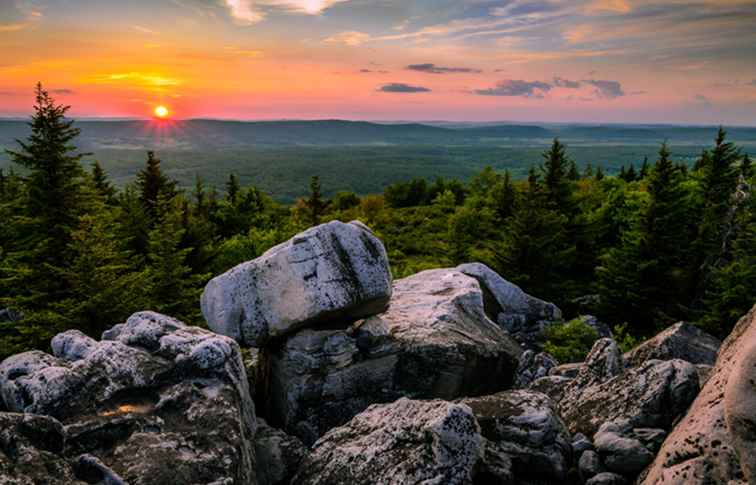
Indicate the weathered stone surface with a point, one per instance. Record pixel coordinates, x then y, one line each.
566 370
590 465
413 442
580 443
523 316
435 341
621 452
31 451
607 478
552 386
278 455
525 426
680 341
713 443
159 403
329 272
650 396
533 366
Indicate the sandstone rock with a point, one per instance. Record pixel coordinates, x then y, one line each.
590 465
607 478
435 341
523 316
680 341
532 366
552 386
278 455
429 442
713 443
159 403
525 426
650 396
330 272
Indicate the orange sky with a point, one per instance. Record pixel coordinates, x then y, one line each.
520 60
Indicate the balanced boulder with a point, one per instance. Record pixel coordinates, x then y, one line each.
155 402
331 272
680 341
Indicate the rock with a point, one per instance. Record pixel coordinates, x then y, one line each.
435 341
580 443
523 316
430 442
278 455
7 315
532 366
552 386
619 450
589 465
160 402
704 372
31 451
525 426
607 478
251 359
567 370
601 328
653 395
92 470
680 341
331 272
713 443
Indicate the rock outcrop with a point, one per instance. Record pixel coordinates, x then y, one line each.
434 341
523 316
533 366
331 272
680 341
154 402
714 442
278 455
407 441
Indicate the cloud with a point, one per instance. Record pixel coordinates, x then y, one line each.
142 79
248 12
350 38
402 88
606 89
434 69
753 83
143 30
516 87
702 100
62 91
371 71
566 83
244 12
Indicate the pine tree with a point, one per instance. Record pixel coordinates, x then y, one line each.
746 167
644 170
503 196
315 204
102 184
573 173
622 173
558 189
232 189
153 184
588 171
599 173
631 176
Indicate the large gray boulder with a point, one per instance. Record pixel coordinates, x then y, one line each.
652 395
715 442
533 366
523 316
525 427
412 442
278 455
680 341
434 341
331 272
155 402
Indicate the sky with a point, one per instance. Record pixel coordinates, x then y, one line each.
626 61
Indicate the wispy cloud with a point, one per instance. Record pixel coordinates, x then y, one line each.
516 87
606 89
143 30
350 38
402 88
141 79
248 12
434 69
566 83
63 91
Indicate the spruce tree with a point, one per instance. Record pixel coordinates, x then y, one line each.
102 184
746 167
153 185
503 196
573 173
315 204
631 175
599 173
588 171
558 189
644 170
232 189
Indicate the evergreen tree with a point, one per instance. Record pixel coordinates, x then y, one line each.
588 172
558 189
599 173
503 196
644 170
746 167
315 204
622 173
232 189
153 184
631 175
573 173
102 184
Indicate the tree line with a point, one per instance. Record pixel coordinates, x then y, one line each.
648 247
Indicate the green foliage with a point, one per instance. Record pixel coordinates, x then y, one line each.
625 340
570 341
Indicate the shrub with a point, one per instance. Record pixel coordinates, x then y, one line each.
570 341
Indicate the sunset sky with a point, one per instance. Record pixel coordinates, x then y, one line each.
673 61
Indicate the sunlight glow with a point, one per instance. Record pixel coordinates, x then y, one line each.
161 112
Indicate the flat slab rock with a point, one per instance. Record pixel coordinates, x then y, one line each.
434 341
154 402
715 442
412 442
329 272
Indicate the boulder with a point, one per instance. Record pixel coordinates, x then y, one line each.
533 366
521 315
680 341
429 442
607 478
653 395
525 426
589 465
8 315
331 272
434 341
278 455
552 386
156 402
620 451
566 370
580 443
714 442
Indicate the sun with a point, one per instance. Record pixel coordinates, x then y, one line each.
161 112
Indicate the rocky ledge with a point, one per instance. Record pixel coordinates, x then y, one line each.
437 378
